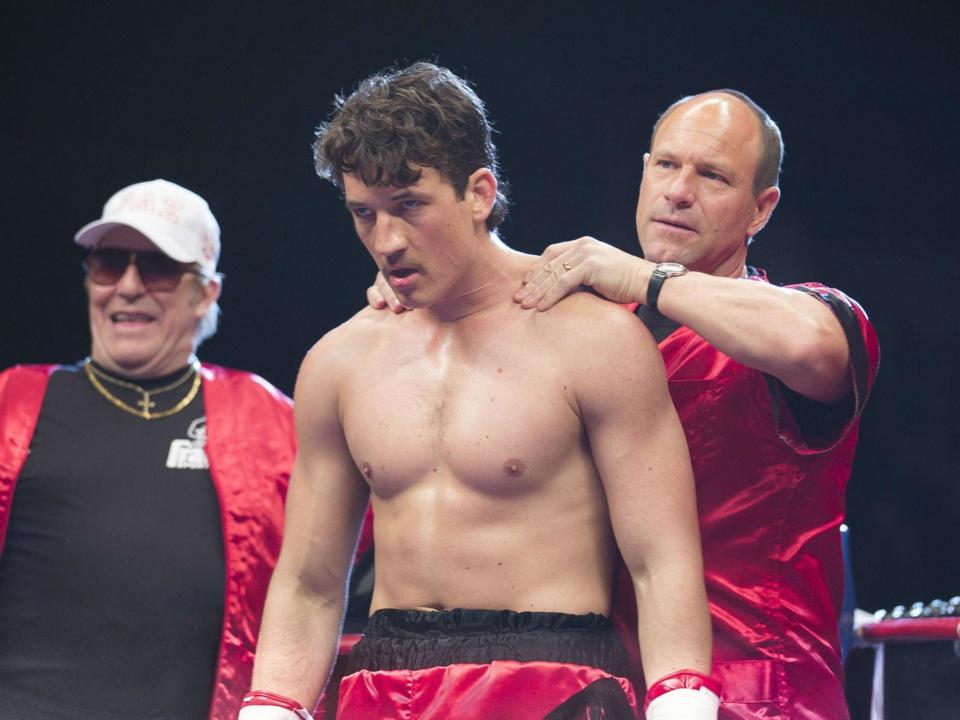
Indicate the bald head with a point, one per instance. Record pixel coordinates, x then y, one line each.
727 104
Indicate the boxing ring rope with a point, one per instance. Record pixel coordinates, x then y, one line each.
939 621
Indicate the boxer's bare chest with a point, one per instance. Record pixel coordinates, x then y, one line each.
487 406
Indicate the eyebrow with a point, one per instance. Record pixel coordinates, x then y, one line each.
406 193
714 165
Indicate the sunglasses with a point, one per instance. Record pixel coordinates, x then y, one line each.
105 266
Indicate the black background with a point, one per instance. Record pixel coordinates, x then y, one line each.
223 98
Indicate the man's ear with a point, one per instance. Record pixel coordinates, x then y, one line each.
481 191
209 293
765 203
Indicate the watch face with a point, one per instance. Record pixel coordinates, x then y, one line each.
671 268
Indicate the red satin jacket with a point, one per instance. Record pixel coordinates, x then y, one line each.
250 446
770 503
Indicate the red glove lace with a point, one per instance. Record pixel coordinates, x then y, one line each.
690 679
263 697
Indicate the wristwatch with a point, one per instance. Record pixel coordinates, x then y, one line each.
660 273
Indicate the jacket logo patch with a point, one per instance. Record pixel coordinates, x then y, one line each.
187 453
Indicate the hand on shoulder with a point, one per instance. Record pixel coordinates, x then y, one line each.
585 262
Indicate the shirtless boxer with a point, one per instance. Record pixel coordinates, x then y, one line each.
507 455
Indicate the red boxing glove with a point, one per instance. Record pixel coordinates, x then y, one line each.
263 705
683 695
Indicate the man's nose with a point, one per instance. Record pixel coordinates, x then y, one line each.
130 284
680 190
388 238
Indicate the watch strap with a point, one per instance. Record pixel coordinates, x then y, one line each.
660 273
657 277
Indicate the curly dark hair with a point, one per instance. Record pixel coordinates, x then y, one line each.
422 115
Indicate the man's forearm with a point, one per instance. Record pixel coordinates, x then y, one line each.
673 622
298 640
782 332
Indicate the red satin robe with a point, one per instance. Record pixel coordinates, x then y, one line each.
770 503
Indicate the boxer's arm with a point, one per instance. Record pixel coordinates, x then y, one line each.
782 332
324 512
641 454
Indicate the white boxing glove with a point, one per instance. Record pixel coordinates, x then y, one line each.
683 695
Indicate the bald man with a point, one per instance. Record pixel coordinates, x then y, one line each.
769 383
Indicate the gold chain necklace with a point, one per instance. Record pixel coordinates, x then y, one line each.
145 403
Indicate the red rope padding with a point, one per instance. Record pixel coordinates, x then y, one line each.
912 630
263 697
690 679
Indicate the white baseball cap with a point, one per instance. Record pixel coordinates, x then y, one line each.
176 220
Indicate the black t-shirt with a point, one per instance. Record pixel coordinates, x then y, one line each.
112 576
